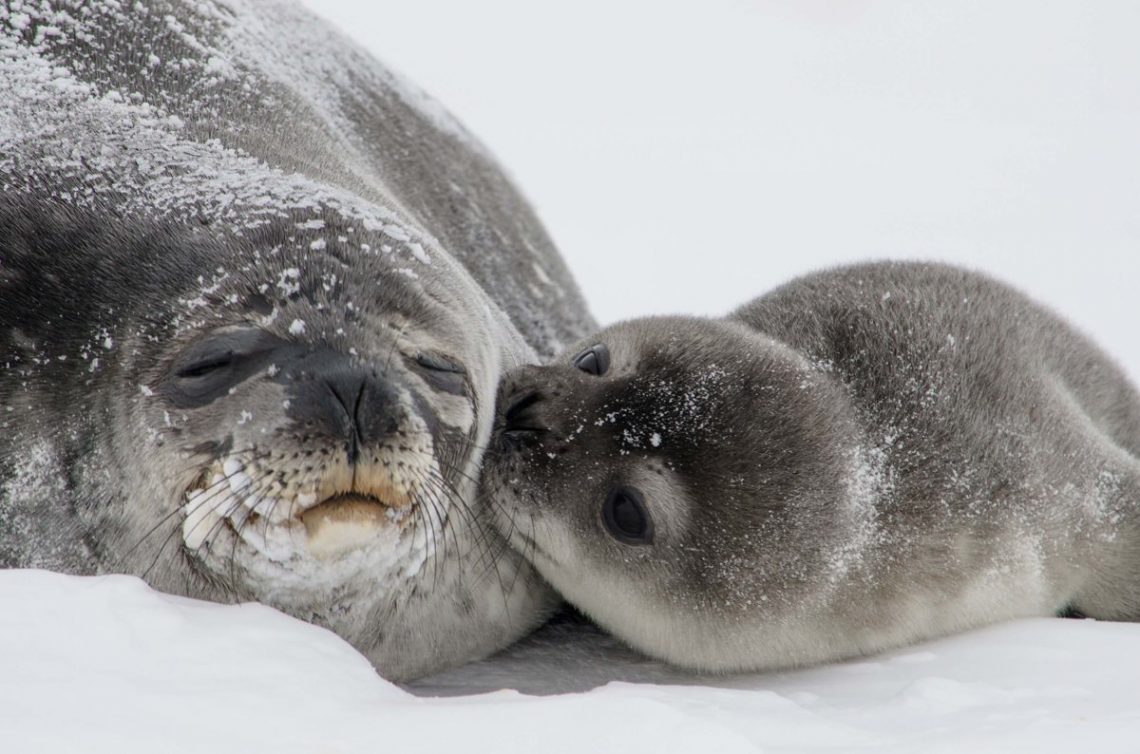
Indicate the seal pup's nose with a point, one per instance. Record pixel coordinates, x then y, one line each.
521 421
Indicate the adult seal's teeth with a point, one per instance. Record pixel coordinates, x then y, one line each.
239 481
238 516
201 519
274 542
274 510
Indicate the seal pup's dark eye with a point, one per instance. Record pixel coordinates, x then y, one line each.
594 360
626 517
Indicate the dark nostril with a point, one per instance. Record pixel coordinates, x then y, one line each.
342 393
520 417
348 396
521 404
343 401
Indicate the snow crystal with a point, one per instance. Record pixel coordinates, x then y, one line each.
541 274
396 232
419 253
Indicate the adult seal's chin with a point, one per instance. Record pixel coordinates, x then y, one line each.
252 319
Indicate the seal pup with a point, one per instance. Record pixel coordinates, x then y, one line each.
861 459
256 294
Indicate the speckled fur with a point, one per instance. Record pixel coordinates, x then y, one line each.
863 458
171 170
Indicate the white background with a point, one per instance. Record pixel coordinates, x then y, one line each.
688 156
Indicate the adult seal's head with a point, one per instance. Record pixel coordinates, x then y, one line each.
860 459
255 297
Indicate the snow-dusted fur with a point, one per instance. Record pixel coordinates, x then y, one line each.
209 213
863 458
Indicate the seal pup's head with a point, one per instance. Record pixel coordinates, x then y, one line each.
688 483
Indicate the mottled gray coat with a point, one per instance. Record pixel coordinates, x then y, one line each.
211 212
862 458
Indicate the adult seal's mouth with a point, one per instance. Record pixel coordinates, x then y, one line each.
346 521
281 524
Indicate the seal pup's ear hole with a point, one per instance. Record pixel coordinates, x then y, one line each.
626 517
594 360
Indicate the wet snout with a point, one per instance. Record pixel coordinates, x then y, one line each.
366 452
521 420
348 402
531 402
351 404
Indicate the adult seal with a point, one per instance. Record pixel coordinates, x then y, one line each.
863 458
256 294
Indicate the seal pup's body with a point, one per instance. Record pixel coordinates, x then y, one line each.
256 294
861 459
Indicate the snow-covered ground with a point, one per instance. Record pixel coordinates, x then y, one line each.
91 665
687 156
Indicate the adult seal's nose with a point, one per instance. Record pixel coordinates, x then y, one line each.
345 400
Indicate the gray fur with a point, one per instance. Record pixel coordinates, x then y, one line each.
863 458
177 174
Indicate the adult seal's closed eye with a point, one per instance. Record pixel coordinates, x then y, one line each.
256 294
863 458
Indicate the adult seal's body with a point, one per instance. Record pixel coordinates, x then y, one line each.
255 297
863 458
